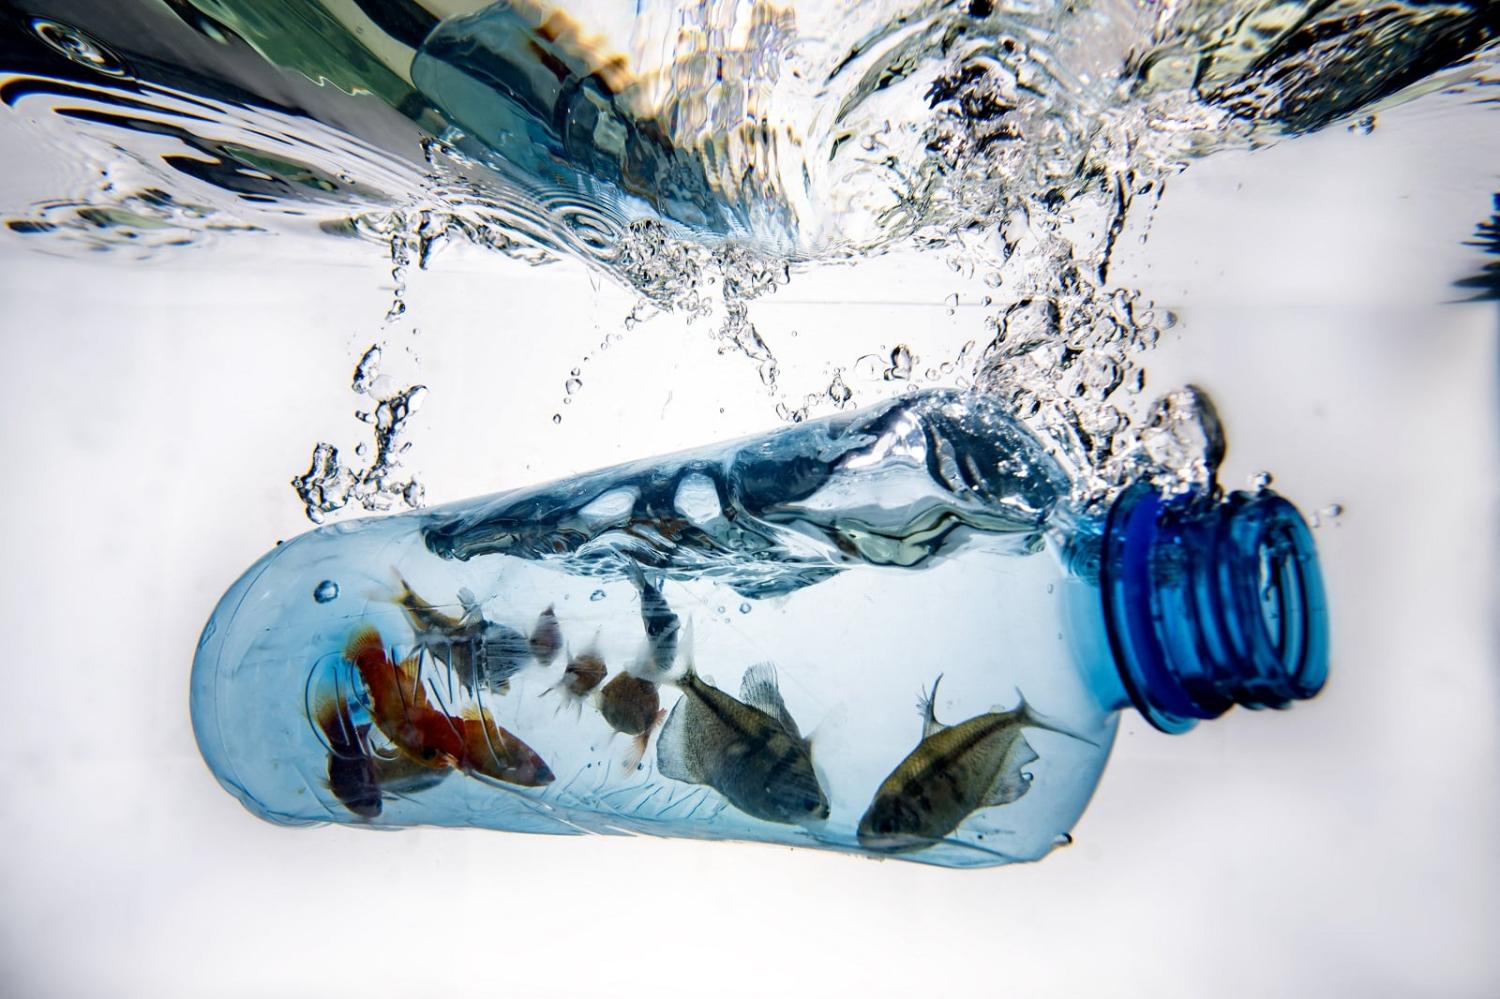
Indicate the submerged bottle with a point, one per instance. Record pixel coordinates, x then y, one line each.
727 644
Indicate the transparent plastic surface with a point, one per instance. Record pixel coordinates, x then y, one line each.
742 642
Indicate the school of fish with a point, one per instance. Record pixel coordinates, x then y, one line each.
748 748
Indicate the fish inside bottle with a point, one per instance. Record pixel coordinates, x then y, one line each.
881 648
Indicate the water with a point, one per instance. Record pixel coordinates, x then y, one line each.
704 154
873 550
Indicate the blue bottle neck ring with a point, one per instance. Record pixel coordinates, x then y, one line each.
1212 604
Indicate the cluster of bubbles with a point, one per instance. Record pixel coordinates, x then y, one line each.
374 483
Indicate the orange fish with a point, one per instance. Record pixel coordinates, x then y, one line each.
472 743
399 705
496 753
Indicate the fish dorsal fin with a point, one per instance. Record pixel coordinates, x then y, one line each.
473 613
1011 782
760 690
927 705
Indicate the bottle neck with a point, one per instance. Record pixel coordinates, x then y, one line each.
1212 604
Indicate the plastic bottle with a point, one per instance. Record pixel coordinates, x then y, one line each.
591 655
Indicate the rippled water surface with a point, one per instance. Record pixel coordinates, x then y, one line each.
703 156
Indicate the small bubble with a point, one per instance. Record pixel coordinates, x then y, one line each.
1260 481
1065 839
326 592
556 417
578 371
745 608
597 596
1050 587
572 385
1329 514
719 609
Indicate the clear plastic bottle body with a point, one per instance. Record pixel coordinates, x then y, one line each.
864 556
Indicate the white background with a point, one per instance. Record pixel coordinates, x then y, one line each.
154 412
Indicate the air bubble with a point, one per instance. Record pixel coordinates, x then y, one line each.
326 592
597 596
902 360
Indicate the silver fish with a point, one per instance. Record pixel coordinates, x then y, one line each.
661 624
954 771
749 750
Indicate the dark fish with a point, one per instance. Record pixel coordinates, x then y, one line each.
749 750
399 776
495 654
632 706
546 637
352 775
662 626
954 771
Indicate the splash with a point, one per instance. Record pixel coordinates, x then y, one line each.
704 155
330 486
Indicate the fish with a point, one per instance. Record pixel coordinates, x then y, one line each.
954 771
494 655
398 776
494 752
472 742
632 706
352 774
661 624
425 618
399 704
477 651
748 749
546 637
582 675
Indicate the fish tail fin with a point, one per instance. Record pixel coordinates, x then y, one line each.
637 751
639 743
1032 718
473 612
686 669
364 644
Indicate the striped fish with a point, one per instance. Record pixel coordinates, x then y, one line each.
954 771
749 750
